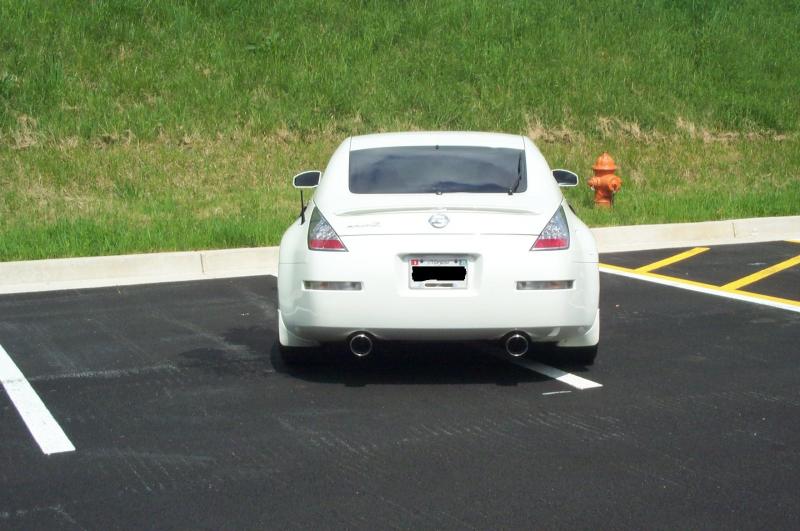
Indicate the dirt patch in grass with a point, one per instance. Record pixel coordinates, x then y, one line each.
76 197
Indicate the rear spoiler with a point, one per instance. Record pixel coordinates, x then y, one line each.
428 208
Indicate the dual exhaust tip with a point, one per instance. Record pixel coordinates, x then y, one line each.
516 344
360 344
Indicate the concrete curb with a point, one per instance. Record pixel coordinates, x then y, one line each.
641 237
102 271
123 270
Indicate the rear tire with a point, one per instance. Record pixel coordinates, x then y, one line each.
578 355
297 356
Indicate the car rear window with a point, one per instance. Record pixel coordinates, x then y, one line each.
437 169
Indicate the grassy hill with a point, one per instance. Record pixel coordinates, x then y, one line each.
139 125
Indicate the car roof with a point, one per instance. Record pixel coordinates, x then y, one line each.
437 138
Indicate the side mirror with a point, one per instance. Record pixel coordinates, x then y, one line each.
301 181
307 179
565 178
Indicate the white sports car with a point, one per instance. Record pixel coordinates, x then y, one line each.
439 236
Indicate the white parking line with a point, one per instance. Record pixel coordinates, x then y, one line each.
557 374
44 428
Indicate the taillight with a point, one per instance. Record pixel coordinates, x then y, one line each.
321 236
555 234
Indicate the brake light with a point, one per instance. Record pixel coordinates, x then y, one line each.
555 234
321 236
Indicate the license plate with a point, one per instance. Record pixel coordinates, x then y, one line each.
437 273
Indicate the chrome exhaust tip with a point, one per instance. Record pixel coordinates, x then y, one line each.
516 344
360 344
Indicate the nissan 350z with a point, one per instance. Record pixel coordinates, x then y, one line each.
449 236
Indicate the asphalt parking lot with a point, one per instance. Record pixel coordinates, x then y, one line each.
182 413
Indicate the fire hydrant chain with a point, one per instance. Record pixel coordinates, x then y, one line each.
604 183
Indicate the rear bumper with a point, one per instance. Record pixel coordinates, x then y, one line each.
488 308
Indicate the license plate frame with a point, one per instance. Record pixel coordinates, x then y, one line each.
424 272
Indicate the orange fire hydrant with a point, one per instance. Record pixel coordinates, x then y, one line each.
604 183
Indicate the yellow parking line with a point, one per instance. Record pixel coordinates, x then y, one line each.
662 277
671 260
764 273
701 286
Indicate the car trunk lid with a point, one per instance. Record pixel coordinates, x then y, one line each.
466 219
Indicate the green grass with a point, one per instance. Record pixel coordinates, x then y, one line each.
141 126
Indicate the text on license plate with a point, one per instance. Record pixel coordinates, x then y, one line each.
438 273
